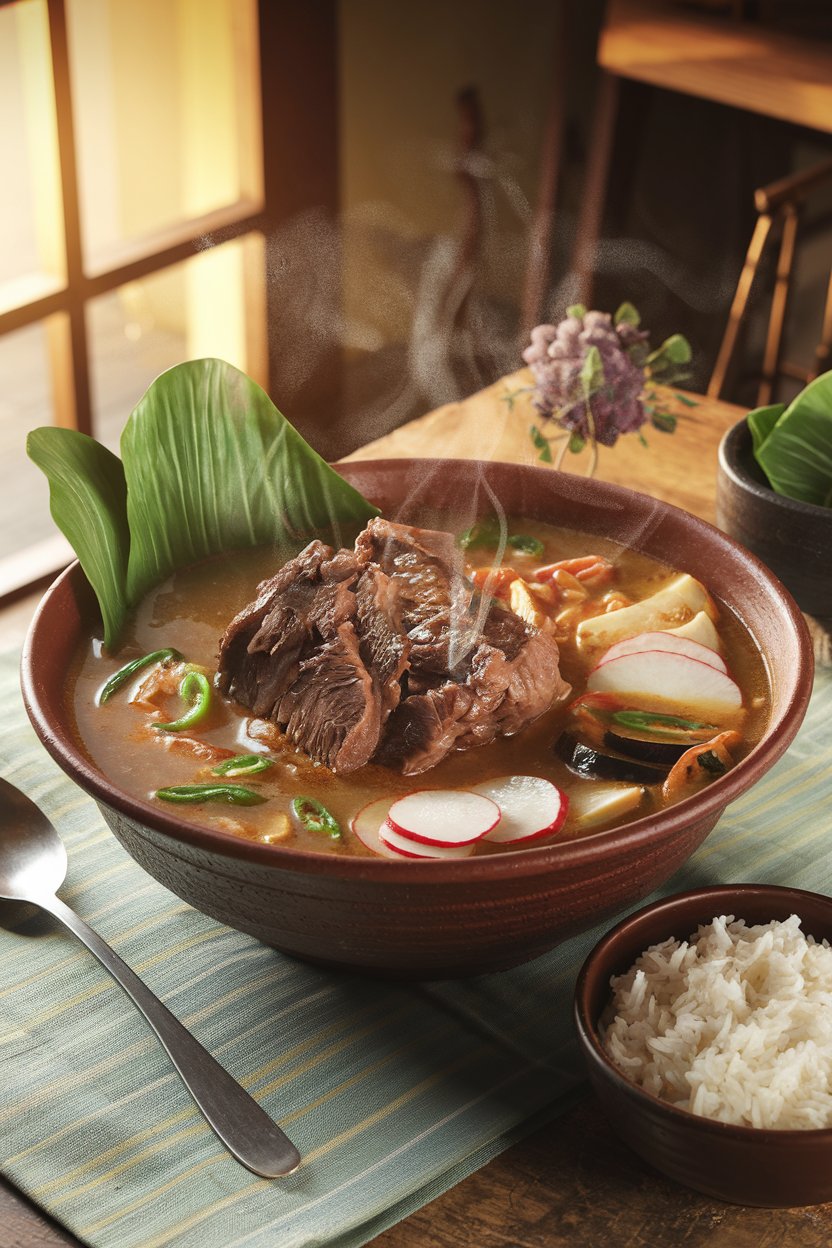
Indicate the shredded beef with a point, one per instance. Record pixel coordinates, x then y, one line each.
386 653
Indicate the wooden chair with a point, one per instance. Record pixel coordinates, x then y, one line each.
778 207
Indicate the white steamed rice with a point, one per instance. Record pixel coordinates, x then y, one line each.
734 1024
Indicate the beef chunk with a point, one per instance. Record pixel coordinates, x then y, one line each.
386 653
434 595
293 656
332 711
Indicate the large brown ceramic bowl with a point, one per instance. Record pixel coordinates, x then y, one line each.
792 538
433 919
743 1165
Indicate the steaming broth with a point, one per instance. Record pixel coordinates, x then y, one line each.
190 611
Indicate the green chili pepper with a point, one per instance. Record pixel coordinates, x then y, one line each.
315 817
121 677
195 687
242 765
483 533
526 545
235 794
647 721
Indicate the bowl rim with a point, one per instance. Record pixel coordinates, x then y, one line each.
588 1031
576 852
732 444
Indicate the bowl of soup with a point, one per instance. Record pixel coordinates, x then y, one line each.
616 673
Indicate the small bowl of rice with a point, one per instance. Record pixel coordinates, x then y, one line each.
706 1023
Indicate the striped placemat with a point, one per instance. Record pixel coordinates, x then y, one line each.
391 1093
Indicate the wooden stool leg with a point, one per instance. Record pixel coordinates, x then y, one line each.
739 304
595 186
823 351
779 301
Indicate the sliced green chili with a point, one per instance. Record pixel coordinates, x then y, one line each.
526 545
242 765
483 533
235 794
195 687
315 817
121 677
647 721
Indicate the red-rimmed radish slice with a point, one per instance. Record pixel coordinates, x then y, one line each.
366 824
404 847
669 642
443 817
532 807
671 677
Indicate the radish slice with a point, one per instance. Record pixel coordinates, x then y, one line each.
404 847
366 824
671 677
443 817
667 642
532 807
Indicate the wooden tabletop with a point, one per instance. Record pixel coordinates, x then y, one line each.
742 64
572 1182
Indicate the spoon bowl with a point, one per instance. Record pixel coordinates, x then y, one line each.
32 855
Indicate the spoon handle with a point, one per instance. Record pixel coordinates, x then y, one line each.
244 1128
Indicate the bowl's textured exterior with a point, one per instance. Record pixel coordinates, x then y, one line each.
435 919
743 1165
792 538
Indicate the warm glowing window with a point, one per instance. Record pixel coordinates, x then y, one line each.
131 232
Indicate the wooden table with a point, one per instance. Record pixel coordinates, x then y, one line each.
571 1183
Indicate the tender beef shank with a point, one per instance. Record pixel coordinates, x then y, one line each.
386 653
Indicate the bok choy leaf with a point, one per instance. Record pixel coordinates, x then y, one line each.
208 464
793 446
212 465
88 501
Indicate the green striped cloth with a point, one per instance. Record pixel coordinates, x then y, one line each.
391 1093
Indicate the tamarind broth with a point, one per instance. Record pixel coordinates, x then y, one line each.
190 611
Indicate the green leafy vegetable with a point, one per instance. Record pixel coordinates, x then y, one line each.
208 464
234 794
761 422
794 447
195 687
242 765
212 465
123 674
87 498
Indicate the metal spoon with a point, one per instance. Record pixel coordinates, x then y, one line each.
32 868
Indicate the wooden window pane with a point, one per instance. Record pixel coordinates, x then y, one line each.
32 259
210 305
26 401
167 120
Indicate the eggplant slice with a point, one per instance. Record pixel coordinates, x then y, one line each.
594 764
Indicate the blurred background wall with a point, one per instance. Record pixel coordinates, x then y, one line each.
341 199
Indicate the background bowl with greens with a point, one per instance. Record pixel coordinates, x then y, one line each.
774 491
